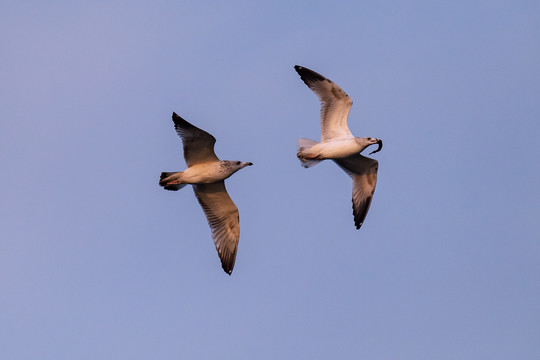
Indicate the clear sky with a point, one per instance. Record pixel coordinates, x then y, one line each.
98 262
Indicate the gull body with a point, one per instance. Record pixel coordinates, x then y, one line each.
207 174
335 148
338 143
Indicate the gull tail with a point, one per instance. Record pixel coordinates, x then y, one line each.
171 180
303 152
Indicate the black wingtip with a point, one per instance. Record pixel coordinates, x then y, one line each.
299 69
308 75
227 261
228 270
179 121
358 222
360 213
176 117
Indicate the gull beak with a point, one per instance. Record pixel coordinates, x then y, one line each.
247 164
379 142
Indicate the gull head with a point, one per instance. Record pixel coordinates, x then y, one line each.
236 165
367 141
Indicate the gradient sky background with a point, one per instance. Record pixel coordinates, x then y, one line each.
98 262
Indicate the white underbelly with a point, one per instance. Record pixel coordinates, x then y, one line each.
337 149
203 174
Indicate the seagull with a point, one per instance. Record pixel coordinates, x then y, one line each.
207 174
338 144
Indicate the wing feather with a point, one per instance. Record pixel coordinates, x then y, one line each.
335 104
223 218
198 144
363 171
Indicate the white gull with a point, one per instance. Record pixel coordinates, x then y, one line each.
338 144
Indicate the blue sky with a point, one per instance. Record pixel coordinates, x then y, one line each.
98 262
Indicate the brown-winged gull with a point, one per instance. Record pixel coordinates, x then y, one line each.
338 144
207 174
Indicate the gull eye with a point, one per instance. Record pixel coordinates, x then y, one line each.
238 163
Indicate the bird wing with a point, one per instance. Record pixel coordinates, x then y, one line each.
363 171
335 104
198 144
222 216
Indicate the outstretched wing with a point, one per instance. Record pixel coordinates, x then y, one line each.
198 144
222 216
363 171
335 104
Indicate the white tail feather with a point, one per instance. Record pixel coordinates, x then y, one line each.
303 150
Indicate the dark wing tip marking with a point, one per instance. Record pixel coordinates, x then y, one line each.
309 76
361 212
179 122
177 117
227 261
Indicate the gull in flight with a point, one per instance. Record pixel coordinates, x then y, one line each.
338 144
207 174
